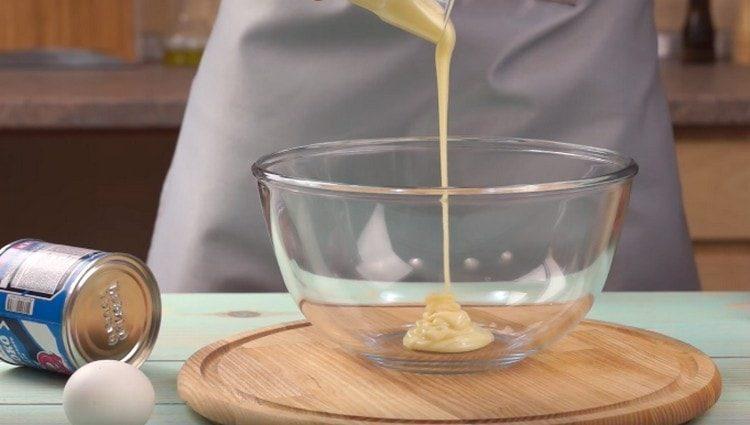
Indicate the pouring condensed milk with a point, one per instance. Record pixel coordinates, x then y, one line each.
444 327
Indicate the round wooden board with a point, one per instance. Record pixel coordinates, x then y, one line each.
600 373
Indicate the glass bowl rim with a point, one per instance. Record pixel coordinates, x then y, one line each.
626 168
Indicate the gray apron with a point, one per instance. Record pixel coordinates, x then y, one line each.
284 73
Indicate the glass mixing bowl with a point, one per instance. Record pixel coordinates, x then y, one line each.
356 229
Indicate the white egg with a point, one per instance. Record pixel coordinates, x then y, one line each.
108 392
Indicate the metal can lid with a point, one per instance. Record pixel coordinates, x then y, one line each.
113 311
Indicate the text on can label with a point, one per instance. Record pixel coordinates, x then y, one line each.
114 316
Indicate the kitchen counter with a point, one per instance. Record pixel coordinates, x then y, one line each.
152 96
714 323
137 97
707 95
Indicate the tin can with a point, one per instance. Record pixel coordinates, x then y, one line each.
62 307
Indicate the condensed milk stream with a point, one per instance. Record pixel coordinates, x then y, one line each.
444 326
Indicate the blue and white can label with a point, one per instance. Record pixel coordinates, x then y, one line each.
33 278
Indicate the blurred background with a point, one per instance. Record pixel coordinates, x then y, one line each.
92 94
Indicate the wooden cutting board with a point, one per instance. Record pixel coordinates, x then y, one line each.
600 373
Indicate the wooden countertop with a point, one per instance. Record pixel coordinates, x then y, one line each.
715 323
152 96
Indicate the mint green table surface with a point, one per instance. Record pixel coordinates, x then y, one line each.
716 323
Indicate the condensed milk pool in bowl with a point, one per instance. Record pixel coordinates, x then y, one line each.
357 229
